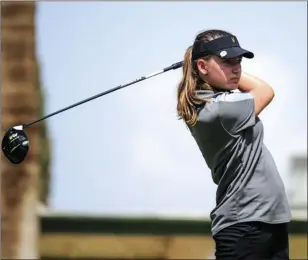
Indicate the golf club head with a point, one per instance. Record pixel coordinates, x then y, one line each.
15 144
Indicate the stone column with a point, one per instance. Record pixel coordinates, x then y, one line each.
19 104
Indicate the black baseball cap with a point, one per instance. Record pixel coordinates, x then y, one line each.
225 47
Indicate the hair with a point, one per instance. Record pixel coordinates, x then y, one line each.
187 100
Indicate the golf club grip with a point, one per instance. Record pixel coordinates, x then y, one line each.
173 66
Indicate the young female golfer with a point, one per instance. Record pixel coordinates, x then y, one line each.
220 105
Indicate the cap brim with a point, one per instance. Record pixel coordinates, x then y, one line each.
235 52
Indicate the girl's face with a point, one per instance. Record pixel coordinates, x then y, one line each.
221 73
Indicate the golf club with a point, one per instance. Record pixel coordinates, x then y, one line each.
15 143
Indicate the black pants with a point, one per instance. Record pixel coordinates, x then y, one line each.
253 241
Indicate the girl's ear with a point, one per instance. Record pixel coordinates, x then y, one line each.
202 66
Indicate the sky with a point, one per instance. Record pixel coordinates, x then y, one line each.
126 152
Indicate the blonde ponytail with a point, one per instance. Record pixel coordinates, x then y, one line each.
186 96
187 99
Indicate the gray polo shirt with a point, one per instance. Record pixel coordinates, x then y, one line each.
230 138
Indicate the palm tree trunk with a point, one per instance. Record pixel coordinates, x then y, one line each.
20 104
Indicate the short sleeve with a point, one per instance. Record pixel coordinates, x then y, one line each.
237 111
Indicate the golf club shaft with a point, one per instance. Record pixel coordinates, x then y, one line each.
172 67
